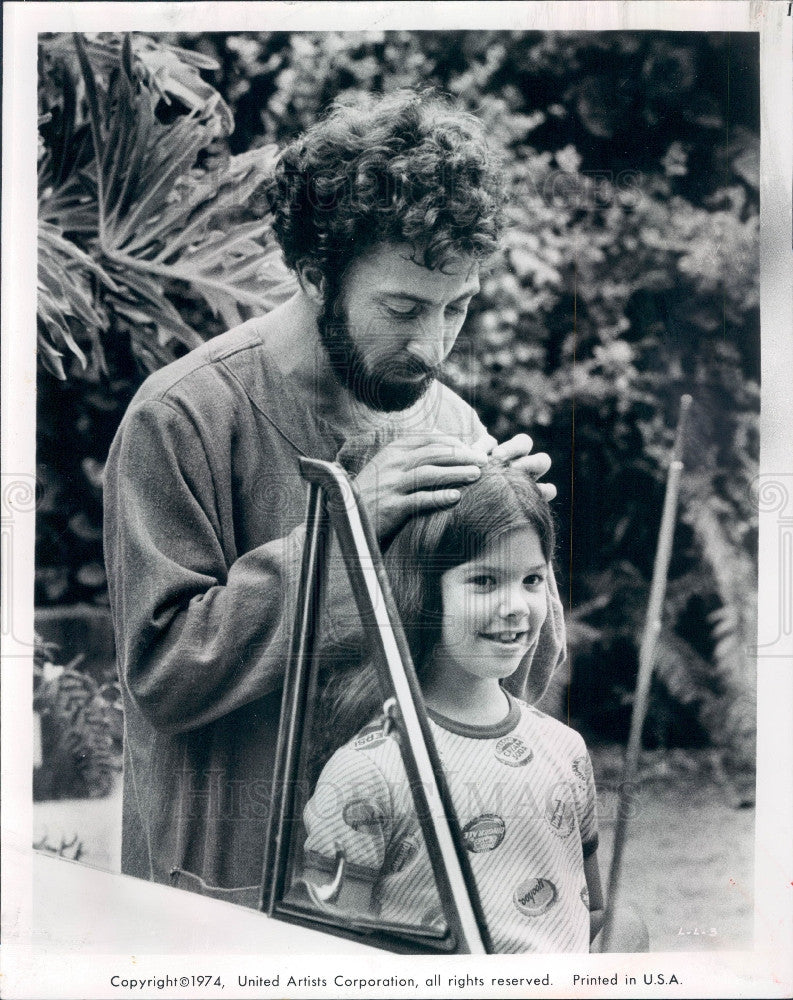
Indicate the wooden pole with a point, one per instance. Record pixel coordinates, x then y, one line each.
652 627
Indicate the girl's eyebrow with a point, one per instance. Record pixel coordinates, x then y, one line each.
480 568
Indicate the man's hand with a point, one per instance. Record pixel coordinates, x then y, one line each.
416 474
517 451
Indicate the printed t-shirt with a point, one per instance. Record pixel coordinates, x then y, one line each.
525 798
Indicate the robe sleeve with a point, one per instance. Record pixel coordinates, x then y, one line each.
198 634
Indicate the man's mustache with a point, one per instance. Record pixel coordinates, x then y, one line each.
398 368
409 368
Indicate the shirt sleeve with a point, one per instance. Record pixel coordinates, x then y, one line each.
199 633
350 811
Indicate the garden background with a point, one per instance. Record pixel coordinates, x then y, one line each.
630 277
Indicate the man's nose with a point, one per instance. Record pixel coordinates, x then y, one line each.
428 342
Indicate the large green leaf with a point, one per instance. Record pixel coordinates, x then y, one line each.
132 216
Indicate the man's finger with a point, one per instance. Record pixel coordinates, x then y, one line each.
517 446
535 465
428 500
548 490
433 476
453 454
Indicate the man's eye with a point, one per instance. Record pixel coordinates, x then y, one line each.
411 312
457 310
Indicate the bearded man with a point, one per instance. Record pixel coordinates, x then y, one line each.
386 213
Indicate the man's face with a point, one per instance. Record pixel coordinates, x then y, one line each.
393 324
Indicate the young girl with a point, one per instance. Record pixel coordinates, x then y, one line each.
470 584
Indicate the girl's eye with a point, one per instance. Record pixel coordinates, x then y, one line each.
483 581
534 580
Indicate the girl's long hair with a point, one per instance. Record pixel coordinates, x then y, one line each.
502 499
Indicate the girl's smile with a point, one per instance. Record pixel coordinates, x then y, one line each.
506 638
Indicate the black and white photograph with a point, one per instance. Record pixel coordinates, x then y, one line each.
396 558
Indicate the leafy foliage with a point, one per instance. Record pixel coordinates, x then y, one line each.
147 245
80 730
126 187
629 277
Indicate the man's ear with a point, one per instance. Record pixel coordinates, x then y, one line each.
312 281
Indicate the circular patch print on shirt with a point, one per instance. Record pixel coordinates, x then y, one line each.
484 833
369 738
513 751
360 814
533 896
559 811
404 852
581 769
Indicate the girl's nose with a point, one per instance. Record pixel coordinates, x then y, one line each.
513 604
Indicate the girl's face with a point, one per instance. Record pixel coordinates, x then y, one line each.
493 608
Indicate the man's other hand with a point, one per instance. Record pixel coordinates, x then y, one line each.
517 451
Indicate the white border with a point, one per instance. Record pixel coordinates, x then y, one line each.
67 965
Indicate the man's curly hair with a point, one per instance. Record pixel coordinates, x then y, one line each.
405 168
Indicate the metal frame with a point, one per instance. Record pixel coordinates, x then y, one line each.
333 502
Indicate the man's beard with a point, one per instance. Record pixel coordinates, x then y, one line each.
382 387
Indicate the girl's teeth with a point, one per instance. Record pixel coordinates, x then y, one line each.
505 637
